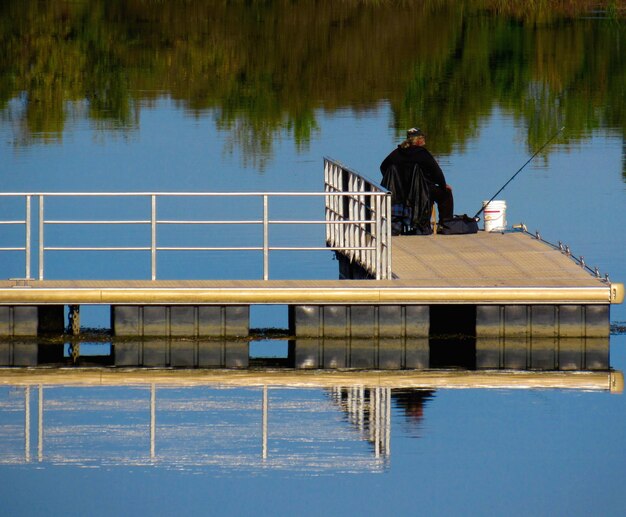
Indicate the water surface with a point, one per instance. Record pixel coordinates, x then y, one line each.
204 96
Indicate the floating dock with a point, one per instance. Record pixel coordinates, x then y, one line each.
468 269
490 284
513 281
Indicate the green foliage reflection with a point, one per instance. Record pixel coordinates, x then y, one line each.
267 67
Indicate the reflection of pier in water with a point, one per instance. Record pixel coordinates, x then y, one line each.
525 353
369 411
159 425
249 416
228 420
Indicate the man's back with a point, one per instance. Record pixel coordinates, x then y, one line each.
405 158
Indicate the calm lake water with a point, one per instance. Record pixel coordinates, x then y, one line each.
202 96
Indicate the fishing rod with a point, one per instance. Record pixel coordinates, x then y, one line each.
518 171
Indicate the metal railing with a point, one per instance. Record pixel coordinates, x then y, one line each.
359 215
565 249
35 226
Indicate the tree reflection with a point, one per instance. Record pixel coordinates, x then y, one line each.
265 68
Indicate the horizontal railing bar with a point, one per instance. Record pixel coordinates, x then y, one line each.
13 249
337 163
160 248
192 194
12 222
343 221
208 248
324 248
85 248
260 248
217 221
202 248
285 221
48 221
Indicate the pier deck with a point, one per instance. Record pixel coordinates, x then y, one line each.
483 268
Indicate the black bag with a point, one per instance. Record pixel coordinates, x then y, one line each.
458 225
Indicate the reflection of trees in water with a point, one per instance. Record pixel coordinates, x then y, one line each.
266 67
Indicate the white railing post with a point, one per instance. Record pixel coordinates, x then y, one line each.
266 238
27 243
327 201
388 234
380 273
153 231
41 236
338 204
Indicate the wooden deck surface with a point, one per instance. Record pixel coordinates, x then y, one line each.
480 268
485 259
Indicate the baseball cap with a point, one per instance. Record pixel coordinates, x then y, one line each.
414 131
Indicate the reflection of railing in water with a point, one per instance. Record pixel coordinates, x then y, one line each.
163 417
369 411
61 439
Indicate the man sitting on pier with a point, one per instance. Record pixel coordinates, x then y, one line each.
398 171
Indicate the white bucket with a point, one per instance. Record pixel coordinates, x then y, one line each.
494 215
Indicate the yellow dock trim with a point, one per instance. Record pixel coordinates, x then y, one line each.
429 379
299 292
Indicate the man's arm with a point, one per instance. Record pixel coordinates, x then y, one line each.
430 166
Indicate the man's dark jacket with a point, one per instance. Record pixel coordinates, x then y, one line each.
405 158
410 174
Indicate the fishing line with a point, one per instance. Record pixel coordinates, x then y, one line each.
518 171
